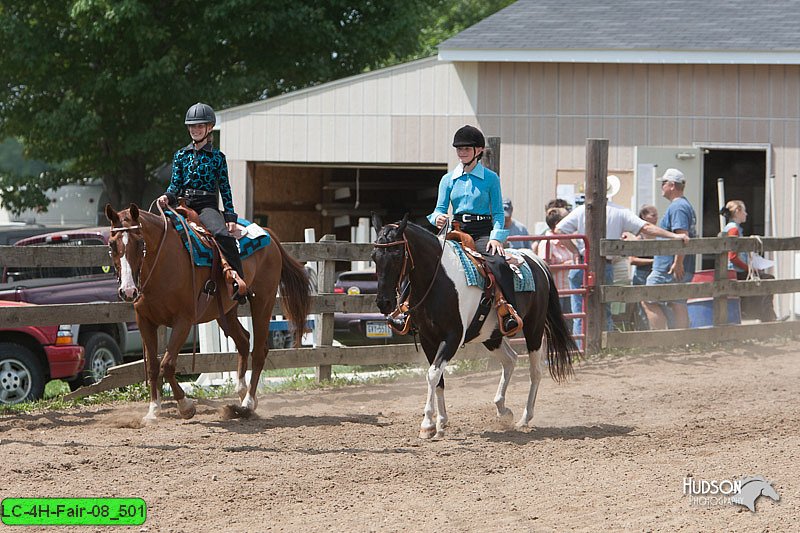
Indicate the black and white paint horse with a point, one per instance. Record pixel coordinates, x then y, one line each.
442 305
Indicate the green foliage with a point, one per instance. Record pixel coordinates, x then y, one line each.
101 87
449 17
104 85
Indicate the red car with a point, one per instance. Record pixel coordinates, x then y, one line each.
30 356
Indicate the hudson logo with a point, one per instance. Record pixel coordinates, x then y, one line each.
744 491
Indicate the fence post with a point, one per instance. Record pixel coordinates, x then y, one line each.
596 172
491 157
325 278
720 302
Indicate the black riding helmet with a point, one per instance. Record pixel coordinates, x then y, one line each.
469 136
200 113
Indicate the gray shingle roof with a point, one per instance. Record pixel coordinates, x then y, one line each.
707 25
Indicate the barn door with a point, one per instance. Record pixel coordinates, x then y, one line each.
652 161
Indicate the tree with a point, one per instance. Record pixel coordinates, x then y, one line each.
98 88
101 86
449 17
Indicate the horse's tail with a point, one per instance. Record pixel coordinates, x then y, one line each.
561 347
295 290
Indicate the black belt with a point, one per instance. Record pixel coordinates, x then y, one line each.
198 192
466 218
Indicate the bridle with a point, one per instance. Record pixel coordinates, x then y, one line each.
125 229
405 272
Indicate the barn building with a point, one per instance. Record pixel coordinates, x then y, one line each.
711 87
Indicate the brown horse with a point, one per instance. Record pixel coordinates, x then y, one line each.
155 272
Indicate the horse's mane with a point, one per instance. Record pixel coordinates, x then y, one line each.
418 230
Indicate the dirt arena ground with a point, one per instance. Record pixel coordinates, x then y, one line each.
609 451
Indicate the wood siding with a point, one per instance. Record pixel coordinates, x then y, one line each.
403 114
545 112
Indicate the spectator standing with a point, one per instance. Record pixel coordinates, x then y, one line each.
761 306
642 266
514 227
679 218
618 221
555 253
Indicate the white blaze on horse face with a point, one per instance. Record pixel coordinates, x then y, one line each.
126 283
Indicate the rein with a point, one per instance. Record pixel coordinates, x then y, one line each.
158 249
408 256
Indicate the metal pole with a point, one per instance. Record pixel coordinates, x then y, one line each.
721 201
793 231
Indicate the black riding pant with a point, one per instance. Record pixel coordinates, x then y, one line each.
214 222
480 232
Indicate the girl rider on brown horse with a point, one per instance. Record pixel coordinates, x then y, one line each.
199 174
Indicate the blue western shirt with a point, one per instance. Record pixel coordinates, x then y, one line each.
204 170
476 192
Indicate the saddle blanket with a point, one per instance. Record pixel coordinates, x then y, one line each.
252 237
523 277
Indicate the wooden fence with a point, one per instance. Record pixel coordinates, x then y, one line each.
720 289
326 252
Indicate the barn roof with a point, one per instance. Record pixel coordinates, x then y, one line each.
652 31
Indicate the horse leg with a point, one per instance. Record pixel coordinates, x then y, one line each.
536 359
180 331
258 355
508 358
241 339
428 429
149 332
241 367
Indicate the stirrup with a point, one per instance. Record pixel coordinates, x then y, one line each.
510 323
241 298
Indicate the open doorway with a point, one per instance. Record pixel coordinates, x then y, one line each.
744 173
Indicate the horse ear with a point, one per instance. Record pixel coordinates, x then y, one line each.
134 211
376 222
403 223
112 215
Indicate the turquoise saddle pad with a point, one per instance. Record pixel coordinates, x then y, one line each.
253 238
523 277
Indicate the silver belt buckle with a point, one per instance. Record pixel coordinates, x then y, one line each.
466 218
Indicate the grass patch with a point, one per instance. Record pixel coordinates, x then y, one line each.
297 379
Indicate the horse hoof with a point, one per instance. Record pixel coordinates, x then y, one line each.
439 434
149 420
186 408
506 418
522 424
427 433
249 403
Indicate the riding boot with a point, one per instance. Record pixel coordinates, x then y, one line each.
231 252
506 306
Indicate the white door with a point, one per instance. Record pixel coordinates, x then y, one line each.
651 162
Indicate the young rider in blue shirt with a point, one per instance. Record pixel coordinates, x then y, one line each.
474 192
200 173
